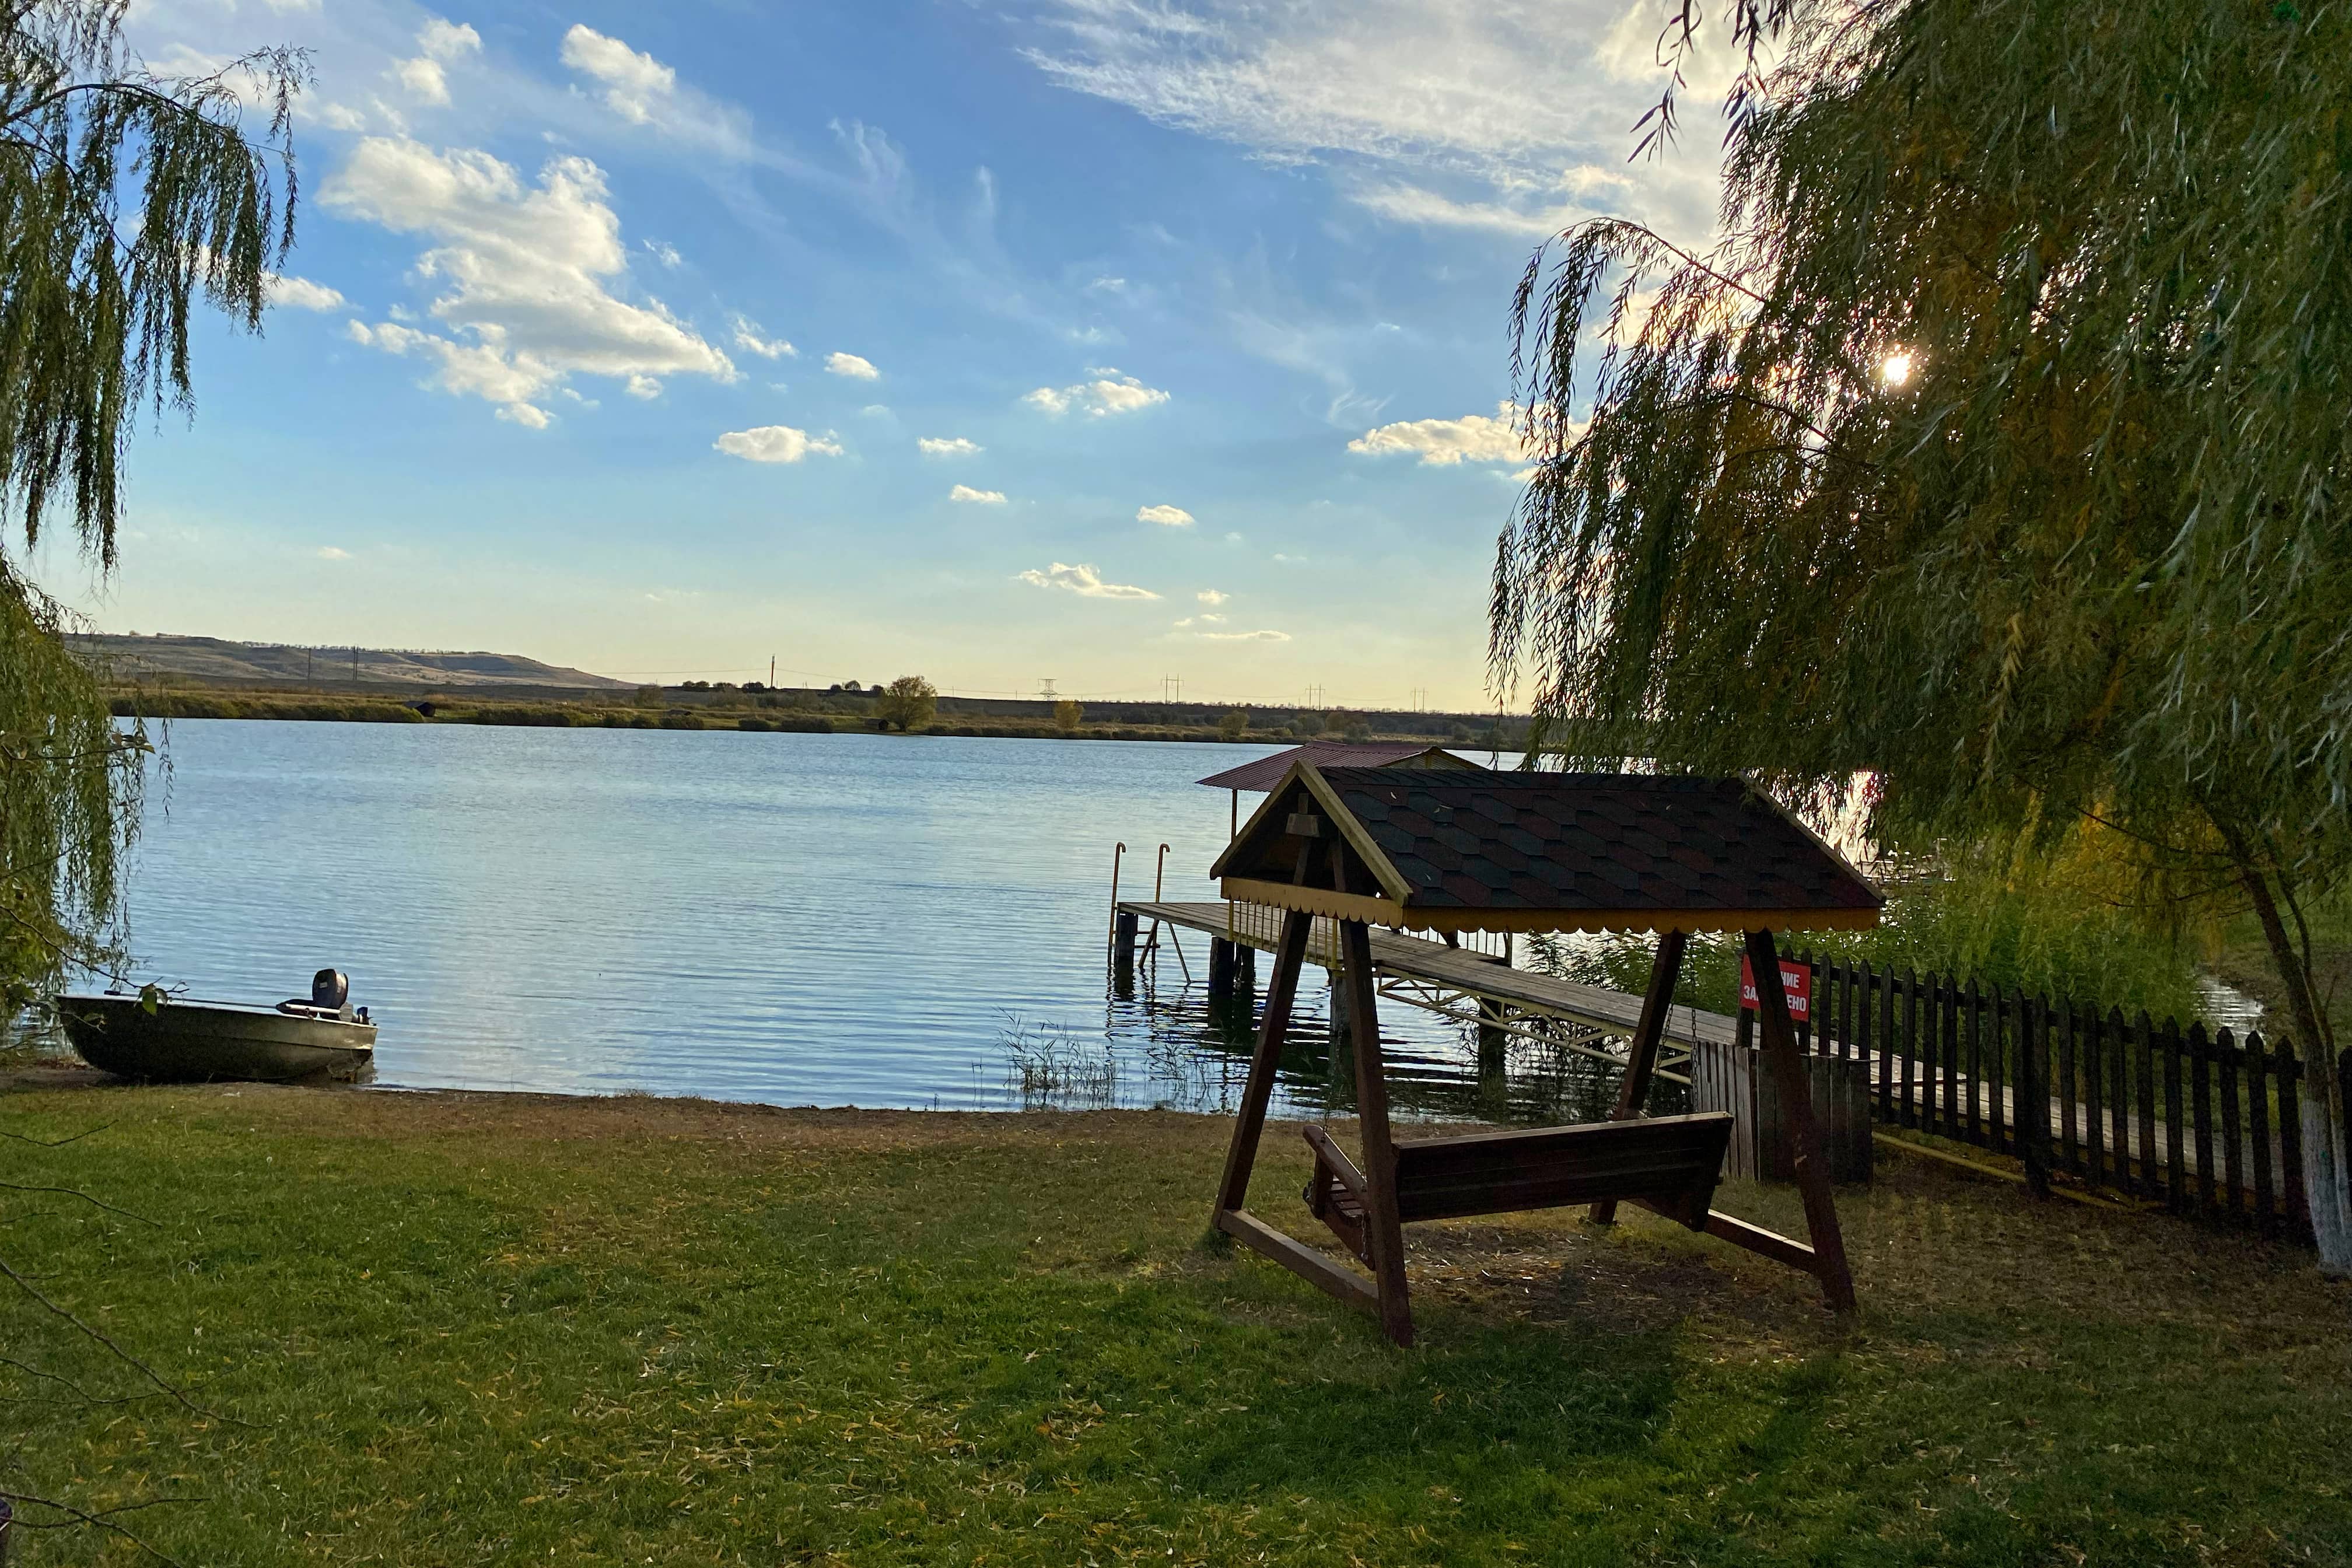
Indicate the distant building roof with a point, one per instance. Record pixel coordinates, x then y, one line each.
1267 771
1533 851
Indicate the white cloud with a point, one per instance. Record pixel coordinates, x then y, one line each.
637 87
1108 393
333 553
424 78
852 366
1167 516
644 387
444 40
1083 580
948 446
775 444
301 294
752 340
1445 442
1262 635
1211 597
529 275
661 250
981 498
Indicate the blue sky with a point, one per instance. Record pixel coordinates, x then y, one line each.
1102 340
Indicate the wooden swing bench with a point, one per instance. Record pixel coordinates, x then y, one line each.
1483 851
1667 1164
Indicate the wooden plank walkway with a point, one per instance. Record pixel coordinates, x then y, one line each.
1436 964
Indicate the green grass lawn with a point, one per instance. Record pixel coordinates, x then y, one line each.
442 1329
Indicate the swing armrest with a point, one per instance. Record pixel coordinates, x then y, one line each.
1330 1157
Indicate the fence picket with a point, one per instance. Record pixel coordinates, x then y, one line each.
2069 1091
2231 1063
2289 1066
2151 1185
2258 1116
2095 1126
2030 1127
2000 1125
2201 1114
1947 990
1972 1062
2176 1180
1912 1066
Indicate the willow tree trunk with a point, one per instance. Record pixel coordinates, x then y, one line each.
2326 1158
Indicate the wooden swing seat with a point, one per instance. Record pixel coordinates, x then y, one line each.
1668 1164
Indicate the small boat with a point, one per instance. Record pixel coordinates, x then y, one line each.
184 1040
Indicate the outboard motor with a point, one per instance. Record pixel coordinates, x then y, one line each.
331 988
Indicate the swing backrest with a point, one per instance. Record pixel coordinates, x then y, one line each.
1671 1163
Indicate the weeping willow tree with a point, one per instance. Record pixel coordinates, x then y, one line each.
1998 447
128 201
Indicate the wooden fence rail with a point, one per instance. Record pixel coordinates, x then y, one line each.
2209 1124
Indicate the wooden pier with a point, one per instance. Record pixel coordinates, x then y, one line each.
1464 985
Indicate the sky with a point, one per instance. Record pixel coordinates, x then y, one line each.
1122 342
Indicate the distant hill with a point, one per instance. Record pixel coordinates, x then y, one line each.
212 659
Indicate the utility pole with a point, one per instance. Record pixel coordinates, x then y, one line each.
771 672
355 667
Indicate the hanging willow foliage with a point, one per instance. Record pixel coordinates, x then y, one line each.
127 201
2000 446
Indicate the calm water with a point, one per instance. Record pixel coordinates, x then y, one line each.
831 920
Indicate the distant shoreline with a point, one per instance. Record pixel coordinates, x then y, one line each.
446 707
799 712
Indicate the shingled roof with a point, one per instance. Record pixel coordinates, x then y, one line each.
1268 771
1533 851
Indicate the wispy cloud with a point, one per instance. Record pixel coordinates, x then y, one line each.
976 498
854 366
1111 392
751 340
333 553
1492 97
1211 597
1166 516
948 446
776 444
1262 635
1083 580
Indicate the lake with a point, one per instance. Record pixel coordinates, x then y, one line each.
827 920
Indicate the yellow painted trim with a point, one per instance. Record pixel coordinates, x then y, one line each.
1384 911
1314 900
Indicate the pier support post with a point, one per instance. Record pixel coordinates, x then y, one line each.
1342 1011
1221 972
1122 950
1244 971
1494 1041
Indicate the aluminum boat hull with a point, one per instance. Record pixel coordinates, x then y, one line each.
199 1042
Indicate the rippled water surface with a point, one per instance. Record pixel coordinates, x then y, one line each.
835 919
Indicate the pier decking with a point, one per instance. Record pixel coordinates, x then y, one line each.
1461 983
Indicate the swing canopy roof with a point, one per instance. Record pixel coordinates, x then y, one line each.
1455 851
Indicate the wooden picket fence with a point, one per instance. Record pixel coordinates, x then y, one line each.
2203 1123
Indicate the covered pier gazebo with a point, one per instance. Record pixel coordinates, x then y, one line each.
1452 851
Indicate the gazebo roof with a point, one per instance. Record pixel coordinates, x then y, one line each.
1269 770
1531 851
